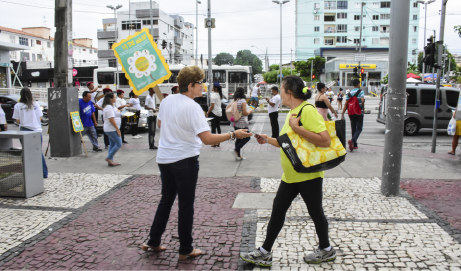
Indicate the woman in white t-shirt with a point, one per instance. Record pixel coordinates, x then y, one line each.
111 127
3 124
215 110
28 115
184 130
134 101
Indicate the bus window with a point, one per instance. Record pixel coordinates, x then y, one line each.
174 75
122 80
238 77
219 76
105 78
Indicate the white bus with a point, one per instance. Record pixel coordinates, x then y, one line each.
230 78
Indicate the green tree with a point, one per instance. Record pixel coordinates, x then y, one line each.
246 58
413 68
272 76
453 65
458 30
385 79
273 67
224 58
304 67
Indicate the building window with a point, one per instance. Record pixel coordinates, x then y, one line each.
316 17
48 44
341 28
12 39
342 4
375 17
39 57
341 15
24 41
385 16
112 64
177 34
375 29
133 24
385 4
415 17
32 43
91 51
341 39
110 43
316 28
330 4
317 6
171 27
415 4
316 41
38 42
357 17
415 28
329 18
357 28
33 57
84 50
95 51
147 22
384 29
356 41
25 56
329 41
358 4
375 41
13 55
376 4
413 41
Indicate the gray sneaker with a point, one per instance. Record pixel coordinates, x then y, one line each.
258 258
320 256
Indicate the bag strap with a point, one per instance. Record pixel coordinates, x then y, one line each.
355 95
301 111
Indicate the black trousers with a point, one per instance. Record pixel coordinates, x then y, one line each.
178 178
151 125
215 123
2 127
311 192
122 128
96 116
356 127
134 127
239 143
274 117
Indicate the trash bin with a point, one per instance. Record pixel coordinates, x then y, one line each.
21 172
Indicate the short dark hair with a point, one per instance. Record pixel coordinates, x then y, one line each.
85 93
356 82
275 88
239 93
320 86
296 86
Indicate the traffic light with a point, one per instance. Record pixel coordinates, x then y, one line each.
362 71
429 60
313 76
164 44
355 70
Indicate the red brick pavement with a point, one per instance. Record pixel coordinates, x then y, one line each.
442 196
108 235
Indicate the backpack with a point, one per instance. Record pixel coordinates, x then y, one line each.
353 107
232 112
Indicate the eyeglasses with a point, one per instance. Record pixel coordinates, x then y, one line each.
199 82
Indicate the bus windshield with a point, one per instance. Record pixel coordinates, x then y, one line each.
106 78
122 81
238 77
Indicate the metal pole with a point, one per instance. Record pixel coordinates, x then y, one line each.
433 81
116 39
396 97
424 41
210 60
291 62
281 64
312 67
151 19
448 70
266 62
439 73
196 32
360 42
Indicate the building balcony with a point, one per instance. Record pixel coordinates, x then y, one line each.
106 34
145 13
330 31
178 23
106 53
178 41
385 31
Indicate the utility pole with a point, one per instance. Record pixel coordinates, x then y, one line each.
360 42
116 36
439 73
312 67
425 21
210 59
280 2
196 31
63 98
396 97
433 70
291 62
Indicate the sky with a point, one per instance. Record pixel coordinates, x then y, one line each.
240 24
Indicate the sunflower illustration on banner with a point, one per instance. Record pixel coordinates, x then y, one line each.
141 61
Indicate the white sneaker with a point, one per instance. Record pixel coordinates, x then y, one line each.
135 137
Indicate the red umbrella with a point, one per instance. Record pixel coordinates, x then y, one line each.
412 75
262 83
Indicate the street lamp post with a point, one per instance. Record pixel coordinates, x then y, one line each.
280 2
116 38
196 32
425 20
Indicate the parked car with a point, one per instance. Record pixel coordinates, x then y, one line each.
420 107
202 101
8 102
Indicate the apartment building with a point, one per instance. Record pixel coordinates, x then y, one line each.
172 28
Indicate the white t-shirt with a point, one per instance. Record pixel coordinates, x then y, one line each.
216 99
28 118
254 93
2 116
119 102
110 112
93 96
136 103
347 91
100 102
182 120
150 102
276 101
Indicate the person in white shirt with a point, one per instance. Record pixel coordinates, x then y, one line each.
93 91
215 110
120 104
255 96
273 110
347 91
28 115
112 123
98 106
150 106
3 124
184 130
134 101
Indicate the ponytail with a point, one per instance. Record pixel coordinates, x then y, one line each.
297 88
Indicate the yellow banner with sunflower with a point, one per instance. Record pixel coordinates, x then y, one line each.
76 121
141 61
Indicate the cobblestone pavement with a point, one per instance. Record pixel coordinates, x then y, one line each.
108 234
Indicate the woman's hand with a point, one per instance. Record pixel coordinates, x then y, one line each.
336 114
294 121
262 139
118 133
6 126
240 134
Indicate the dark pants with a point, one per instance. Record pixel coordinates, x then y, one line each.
122 128
311 192
106 137
44 167
2 127
239 143
178 178
356 127
134 127
152 125
274 117
215 123
96 116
